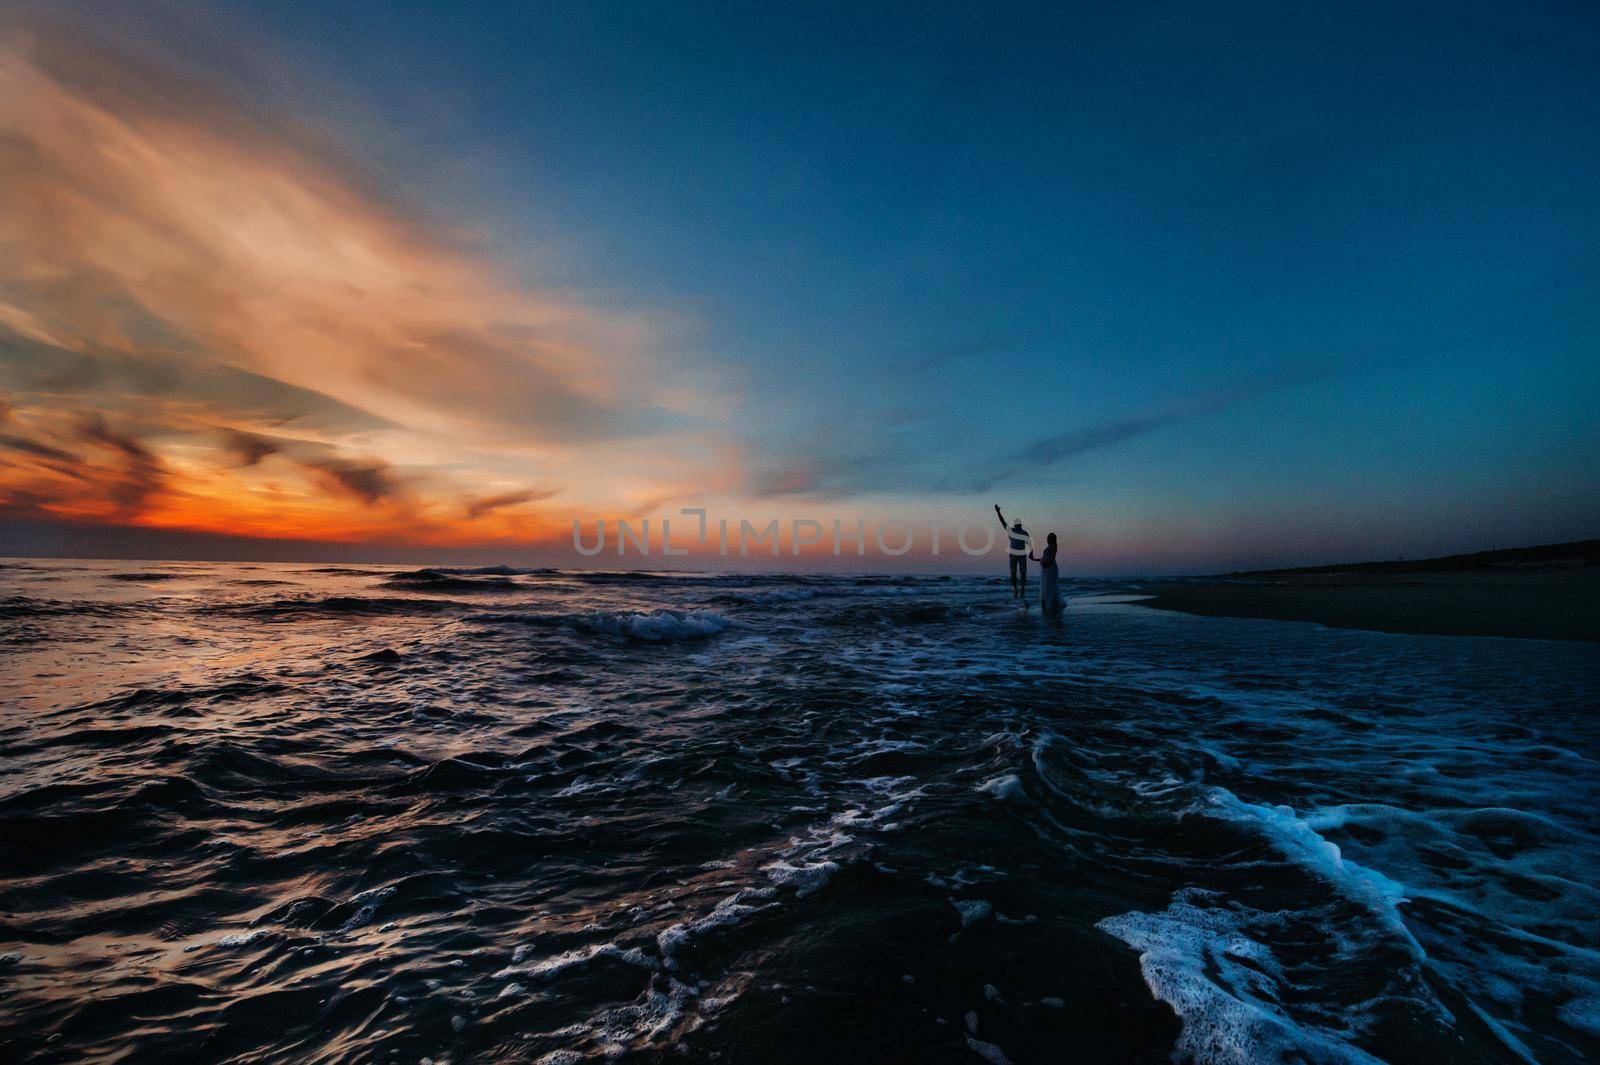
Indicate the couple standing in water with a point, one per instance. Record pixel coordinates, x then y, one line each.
1020 550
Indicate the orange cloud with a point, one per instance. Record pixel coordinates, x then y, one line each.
207 322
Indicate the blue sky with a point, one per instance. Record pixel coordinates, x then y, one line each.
1200 286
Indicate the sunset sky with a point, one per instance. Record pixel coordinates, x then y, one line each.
1197 287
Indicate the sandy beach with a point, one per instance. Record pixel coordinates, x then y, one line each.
1547 593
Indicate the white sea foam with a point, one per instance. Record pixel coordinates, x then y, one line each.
972 910
1510 872
730 911
1223 985
612 1031
370 900
1300 843
805 877
1502 853
657 625
1007 788
548 968
988 1051
668 1007
1517 886
560 1057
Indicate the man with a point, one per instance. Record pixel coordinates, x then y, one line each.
1018 551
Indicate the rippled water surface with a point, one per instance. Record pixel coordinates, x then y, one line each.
296 813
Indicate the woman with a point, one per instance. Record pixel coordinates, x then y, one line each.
1049 593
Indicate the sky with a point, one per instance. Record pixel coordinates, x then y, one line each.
1198 287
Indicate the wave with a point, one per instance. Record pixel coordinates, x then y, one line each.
1206 955
698 579
656 626
299 606
897 613
493 571
22 606
630 576
1298 841
775 597
433 580
674 940
248 686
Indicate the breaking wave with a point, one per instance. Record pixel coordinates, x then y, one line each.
656 626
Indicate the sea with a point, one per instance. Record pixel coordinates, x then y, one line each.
305 813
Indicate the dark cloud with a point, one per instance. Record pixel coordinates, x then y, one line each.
477 508
33 447
94 429
26 445
370 481
1049 451
142 473
249 448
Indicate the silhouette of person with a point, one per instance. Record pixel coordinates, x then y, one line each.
1018 552
1049 592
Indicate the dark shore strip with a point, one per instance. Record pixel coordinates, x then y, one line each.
1547 599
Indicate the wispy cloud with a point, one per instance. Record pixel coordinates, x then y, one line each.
370 481
140 473
1046 452
229 321
879 463
33 447
250 448
477 508
27 445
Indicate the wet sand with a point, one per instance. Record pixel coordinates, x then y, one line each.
1554 603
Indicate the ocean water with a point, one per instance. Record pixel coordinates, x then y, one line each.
268 813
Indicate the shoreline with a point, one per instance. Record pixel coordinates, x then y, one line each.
1543 604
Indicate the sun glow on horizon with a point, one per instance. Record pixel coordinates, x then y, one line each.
208 324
